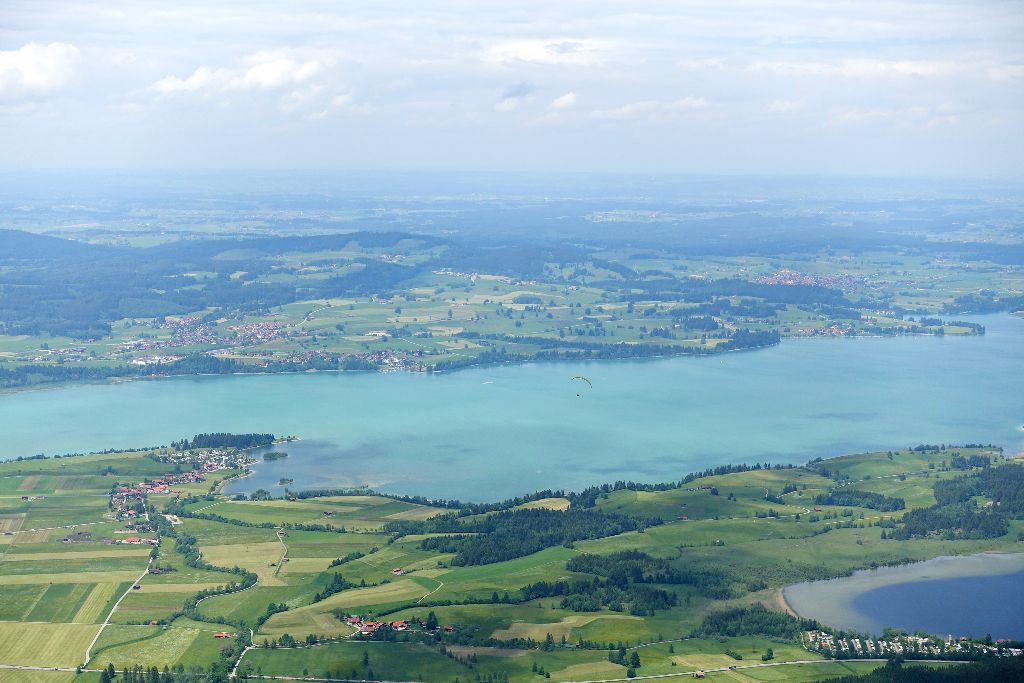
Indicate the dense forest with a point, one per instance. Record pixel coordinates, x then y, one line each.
198 363
957 514
753 620
592 595
74 289
985 670
224 440
1005 485
866 499
633 566
515 533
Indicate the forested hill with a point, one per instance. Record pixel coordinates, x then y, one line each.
16 245
67 288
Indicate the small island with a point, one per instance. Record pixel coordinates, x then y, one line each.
274 455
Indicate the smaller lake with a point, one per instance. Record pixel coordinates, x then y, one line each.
968 595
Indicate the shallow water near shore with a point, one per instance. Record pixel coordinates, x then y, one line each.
970 595
492 432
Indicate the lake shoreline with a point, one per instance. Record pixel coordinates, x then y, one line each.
120 379
870 599
490 433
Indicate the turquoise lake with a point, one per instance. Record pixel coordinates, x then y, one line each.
972 595
489 433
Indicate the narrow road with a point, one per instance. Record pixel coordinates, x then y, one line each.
206 507
688 674
234 669
284 555
88 650
440 585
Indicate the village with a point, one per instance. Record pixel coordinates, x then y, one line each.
128 504
128 500
790 278
369 627
907 646
201 462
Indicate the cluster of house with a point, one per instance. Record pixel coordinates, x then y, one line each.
827 644
448 272
138 540
834 330
202 462
387 359
793 277
256 333
128 500
125 497
369 627
155 359
72 354
124 502
190 331
390 361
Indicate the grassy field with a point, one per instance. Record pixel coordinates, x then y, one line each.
182 641
318 618
357 513
36 644
761 529
403 661
15 676
440 315
263 559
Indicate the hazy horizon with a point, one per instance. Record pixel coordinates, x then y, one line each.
911 89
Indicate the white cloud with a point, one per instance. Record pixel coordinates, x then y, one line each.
506 105
562 102
267 70
202 78
627 111
569 52
790 70
652 109
858 116
686 104
701 64
784 107
1004 72
513 97
35 69
858 68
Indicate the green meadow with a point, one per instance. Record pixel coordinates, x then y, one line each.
748 532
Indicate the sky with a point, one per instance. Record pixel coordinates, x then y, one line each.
841 87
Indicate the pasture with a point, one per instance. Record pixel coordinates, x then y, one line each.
54 592
318 618
38 644
263 559
356 513
182 641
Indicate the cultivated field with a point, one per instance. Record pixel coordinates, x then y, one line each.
748 532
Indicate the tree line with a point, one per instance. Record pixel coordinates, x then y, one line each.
849 497
515 533
956 513
224 440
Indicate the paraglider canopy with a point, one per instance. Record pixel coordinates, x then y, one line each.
584 379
